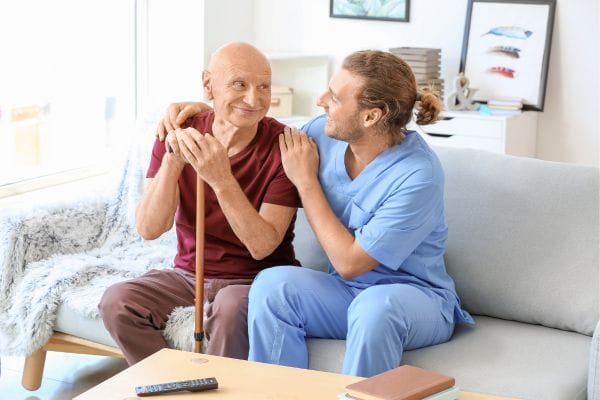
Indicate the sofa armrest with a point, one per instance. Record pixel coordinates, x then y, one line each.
594 370
33 235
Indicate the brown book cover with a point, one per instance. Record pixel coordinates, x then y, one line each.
403 383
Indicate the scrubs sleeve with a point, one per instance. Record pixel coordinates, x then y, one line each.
403 221
315 128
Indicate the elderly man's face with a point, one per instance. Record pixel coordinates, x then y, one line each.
242 91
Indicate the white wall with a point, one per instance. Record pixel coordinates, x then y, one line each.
568 129
227 21
174 54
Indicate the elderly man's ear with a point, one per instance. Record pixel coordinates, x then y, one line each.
207 84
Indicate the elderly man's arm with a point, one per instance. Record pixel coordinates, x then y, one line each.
262 231
156 211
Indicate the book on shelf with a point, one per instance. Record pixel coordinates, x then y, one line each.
428 58
403 383
415 50
512 103
426 76
425 68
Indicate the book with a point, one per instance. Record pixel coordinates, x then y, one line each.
506 102
435 58
403 383
415 50
448 394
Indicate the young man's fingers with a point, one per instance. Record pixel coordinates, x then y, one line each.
282 143
187 112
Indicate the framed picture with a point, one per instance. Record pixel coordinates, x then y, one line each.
384 10
506 49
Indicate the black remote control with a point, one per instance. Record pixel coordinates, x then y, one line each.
194 385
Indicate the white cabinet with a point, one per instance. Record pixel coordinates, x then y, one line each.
306 74
513 133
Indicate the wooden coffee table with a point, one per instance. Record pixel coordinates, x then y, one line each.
237 379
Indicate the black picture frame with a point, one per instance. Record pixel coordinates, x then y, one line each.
392 10
506 49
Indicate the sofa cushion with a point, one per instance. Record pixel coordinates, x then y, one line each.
307 248
497 357
73 323
523 238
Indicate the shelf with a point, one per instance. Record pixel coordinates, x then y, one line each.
306 74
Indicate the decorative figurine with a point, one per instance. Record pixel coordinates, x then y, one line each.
462 99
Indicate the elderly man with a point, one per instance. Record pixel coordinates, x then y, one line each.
250 209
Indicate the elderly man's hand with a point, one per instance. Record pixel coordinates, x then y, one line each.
299 156
176 115
207 155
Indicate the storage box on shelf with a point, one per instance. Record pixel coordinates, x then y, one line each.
511 133
306 74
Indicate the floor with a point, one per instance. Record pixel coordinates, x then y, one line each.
65 376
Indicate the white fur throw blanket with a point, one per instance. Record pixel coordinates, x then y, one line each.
71 253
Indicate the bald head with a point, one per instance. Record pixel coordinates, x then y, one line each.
238 81
239 53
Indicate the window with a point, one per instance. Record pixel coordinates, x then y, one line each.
67 87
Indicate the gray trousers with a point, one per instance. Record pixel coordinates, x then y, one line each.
135 312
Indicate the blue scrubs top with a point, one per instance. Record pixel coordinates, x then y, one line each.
395 209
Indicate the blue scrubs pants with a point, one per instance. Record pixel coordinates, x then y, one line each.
288 304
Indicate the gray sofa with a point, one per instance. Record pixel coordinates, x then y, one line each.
523 249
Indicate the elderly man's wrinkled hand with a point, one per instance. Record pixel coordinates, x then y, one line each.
173 149
207 155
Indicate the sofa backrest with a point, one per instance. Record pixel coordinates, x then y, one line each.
523 238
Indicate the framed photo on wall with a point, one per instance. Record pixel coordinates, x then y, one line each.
506 49
384 10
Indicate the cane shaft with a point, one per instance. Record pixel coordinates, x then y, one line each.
199 301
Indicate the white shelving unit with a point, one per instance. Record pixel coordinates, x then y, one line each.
513 133
306 74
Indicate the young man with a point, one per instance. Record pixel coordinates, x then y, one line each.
250 208
373 194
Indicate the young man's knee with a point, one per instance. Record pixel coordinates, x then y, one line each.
375 317
270 279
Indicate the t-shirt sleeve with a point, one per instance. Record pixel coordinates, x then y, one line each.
281 190
158 152
402 222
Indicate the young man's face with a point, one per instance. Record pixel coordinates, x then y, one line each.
341 106
242 92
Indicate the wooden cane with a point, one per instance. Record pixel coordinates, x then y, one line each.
199 304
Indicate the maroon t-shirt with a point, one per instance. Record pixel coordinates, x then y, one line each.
260 174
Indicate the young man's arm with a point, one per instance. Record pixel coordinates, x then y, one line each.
301 163
177 114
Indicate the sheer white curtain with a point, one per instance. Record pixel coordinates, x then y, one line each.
67 84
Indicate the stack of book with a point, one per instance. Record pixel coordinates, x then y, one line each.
505 103
426 65
403 383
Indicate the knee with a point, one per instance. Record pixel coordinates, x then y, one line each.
271 289
271 281
231 304
113 301
375 316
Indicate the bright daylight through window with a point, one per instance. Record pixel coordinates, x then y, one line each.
67 85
